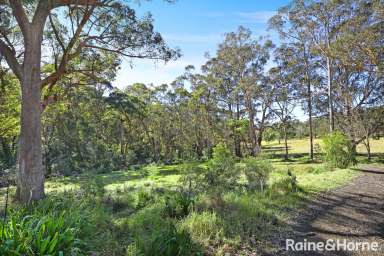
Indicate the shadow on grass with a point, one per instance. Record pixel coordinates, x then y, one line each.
369 170
166 172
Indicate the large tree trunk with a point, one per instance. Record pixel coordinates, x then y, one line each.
30 184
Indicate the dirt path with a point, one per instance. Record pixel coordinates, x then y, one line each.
354 212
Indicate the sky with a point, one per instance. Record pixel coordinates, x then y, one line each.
196 27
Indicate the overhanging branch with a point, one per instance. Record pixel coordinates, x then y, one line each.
11 60
20 15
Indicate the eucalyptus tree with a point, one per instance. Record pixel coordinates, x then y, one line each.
317 22
303 61
359 90
128 106
238 72
257 93
282 78
59 34
202 108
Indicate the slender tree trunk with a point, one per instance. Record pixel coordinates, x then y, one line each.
122 153
252 129
310 120
237 137
286 142
330 98
309 102
260 137
368 146
30 184
262 126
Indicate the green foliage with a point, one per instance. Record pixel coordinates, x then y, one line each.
222 173
179 204
171 242
39 235
338 150
10 118
293 180
257 173
286 184
205 227
271 134
155 235
144 197
250 215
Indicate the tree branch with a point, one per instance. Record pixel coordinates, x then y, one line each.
20 15
11 60
54 77
58 3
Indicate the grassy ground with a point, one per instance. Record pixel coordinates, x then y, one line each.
129 212
301 146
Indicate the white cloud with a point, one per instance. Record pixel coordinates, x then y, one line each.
257 16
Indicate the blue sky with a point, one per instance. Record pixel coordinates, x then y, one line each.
196 27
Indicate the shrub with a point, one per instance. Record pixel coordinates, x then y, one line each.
338 150
32 235
222 174
171 242
281 186
192 177
179 204
286 184
155 235
144 197
248 216
257 173
293 180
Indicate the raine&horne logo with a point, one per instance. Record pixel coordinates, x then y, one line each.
330 245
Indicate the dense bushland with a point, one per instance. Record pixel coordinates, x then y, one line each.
181 221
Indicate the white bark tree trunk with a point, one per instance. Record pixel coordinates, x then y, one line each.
30 183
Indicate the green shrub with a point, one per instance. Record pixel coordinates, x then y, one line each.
155 235
144 197
338 150
248 216
192 176
171 242
35 235
204 227
179 204
293 180
93 186
257 173
222 173
286 184
146 222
